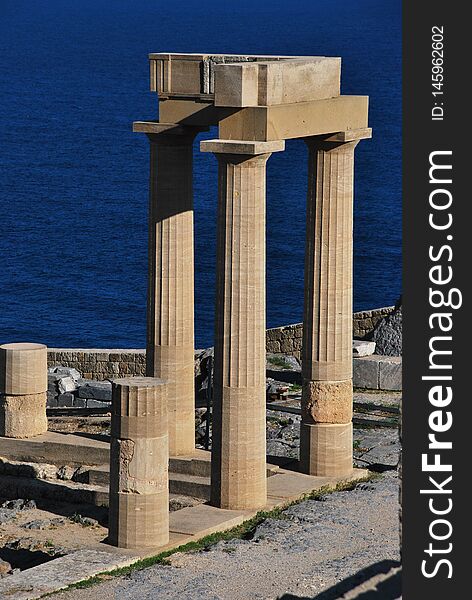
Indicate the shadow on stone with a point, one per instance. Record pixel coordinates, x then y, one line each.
381 588
23 558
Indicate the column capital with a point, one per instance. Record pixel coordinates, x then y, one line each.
351 136
249 148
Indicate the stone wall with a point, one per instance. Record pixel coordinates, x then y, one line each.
288 339
99 363
102 364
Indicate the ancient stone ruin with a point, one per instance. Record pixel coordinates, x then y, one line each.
257 102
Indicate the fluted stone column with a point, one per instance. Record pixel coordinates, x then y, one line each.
238 469
139 457
170 313
326 430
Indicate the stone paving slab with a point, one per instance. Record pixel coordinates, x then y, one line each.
59 573
56 448
202 520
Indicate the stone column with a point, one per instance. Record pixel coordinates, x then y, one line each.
139 457
326 430
23 390
238 469
170 307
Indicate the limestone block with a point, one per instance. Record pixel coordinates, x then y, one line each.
277 82
183 74
365 372
327 401
23 416
99 390
362 348
23 369
144 523
299 119
326 449
139 457
390 373
66 384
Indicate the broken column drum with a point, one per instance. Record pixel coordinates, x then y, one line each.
23 390
139 457
257 102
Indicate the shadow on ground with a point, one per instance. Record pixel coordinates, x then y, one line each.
370 585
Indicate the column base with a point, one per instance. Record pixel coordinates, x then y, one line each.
326 449
23 416
139 521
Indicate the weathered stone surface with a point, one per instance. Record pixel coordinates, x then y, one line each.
66 384
98 390
277 82
365 372
65 372
388 334
23 416
326 449
23 369
390 374
66 399
5 568
170 332
139 458
238 477
362 348
327 401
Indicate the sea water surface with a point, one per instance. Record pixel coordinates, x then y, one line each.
74 178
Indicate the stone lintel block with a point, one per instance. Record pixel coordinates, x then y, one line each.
23 369
390 373
277 82
242 147
155 127
327 401
296 120
184 75
326 449
365 372
352 135
23 416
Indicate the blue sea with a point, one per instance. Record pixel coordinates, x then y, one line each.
74 178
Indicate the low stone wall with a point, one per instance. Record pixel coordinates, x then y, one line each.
99 364
102 364
288 339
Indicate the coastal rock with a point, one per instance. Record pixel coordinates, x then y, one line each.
388 334
203 368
